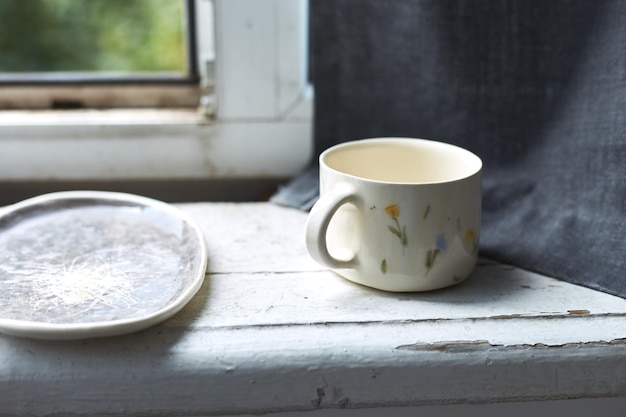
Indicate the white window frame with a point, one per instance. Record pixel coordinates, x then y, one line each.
255 86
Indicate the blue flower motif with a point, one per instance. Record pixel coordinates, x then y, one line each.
441 242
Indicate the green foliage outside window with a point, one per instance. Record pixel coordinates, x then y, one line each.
92 35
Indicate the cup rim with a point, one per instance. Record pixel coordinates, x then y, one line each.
430 142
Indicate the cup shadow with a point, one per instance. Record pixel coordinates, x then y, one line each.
490 281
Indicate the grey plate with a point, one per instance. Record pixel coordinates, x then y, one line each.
89 264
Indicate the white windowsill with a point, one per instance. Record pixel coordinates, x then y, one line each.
102 117
151 145
272 331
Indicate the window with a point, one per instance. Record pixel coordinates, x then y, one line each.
95 36
104 46
251 58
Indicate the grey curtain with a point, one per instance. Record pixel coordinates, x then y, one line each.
536 88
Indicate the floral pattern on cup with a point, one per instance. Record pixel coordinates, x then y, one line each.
393 211
470 241
441 244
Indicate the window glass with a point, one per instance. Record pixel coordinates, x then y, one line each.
99 36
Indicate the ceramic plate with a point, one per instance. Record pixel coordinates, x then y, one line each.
85 264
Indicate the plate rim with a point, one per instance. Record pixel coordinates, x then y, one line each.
68 331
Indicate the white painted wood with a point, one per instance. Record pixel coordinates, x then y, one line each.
292 54
610 407
205 31
139 144
246 49
272 331
262 54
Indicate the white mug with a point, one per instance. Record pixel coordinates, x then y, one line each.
397 214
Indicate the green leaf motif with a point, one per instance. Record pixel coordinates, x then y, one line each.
430 258
394 231
403 237
383 266
426 212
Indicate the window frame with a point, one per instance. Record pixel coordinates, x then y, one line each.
224 139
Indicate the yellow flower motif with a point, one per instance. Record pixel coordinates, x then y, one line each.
393 211
470 240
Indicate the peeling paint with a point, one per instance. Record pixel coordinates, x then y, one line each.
454 346
320 393
578 312
317 401
506 316
469 346
344 402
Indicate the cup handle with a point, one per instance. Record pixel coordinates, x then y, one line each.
317 227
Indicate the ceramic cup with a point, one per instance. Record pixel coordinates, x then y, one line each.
397 214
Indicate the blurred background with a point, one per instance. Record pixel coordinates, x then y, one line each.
95 35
